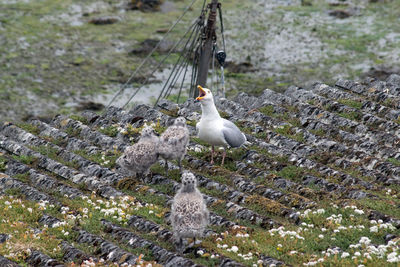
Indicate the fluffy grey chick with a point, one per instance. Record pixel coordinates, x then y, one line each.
174 141
189 214
138 158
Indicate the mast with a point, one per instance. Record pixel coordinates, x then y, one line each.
206 48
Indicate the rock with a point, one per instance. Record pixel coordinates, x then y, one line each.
89 105
381 72
389 237
4 262
242 67
341 14
104 20
4 238
145 5
37 258
148 45
394 79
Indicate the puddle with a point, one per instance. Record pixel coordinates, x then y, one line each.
146 95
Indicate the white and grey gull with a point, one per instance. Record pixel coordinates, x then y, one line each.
174 141
189 214
137 159
214 129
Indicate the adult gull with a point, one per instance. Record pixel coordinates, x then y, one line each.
215 130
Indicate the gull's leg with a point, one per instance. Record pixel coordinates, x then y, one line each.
212 155
166 167
223 156
180 165
180 246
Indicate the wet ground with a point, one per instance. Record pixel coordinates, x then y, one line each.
53 57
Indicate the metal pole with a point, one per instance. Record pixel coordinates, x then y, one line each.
207 46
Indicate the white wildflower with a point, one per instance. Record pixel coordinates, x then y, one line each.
345 255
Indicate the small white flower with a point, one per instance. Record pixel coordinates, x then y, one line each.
345 255
321 236
200 252
359 211
373 229
234 249
30 210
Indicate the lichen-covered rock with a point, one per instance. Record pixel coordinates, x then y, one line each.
39 259
7 263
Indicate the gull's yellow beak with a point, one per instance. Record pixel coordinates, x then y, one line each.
202 93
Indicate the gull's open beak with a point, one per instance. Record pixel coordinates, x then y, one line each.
202 93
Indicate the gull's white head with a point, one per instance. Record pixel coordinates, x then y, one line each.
205 95
189 182
147 131
180 121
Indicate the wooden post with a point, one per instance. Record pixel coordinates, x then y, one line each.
207 46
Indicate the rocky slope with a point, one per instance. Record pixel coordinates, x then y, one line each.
319 184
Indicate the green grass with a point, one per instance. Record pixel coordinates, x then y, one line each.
3 163
72 131
29 128
394 161
351 103
79 118
28 160
288 131
52 153
111 130
106 159
353 115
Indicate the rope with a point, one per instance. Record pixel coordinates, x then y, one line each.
213 68
181 69
174 68
188 51
184 76
222 26
162 61
150 54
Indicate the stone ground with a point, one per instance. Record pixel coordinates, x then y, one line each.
56 56
319 184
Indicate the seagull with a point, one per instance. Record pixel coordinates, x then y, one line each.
138 158
173 142
215 130
189 214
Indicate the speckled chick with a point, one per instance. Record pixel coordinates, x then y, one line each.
189 214
138 158
174 141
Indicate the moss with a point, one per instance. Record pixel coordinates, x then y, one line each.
73 132
171 113
267 110
264 205
319 132
28 160
29 128
292 173
79 118
127 184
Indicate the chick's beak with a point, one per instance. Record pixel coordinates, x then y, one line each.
202 93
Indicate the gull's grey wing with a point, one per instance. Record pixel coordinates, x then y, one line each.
233 136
